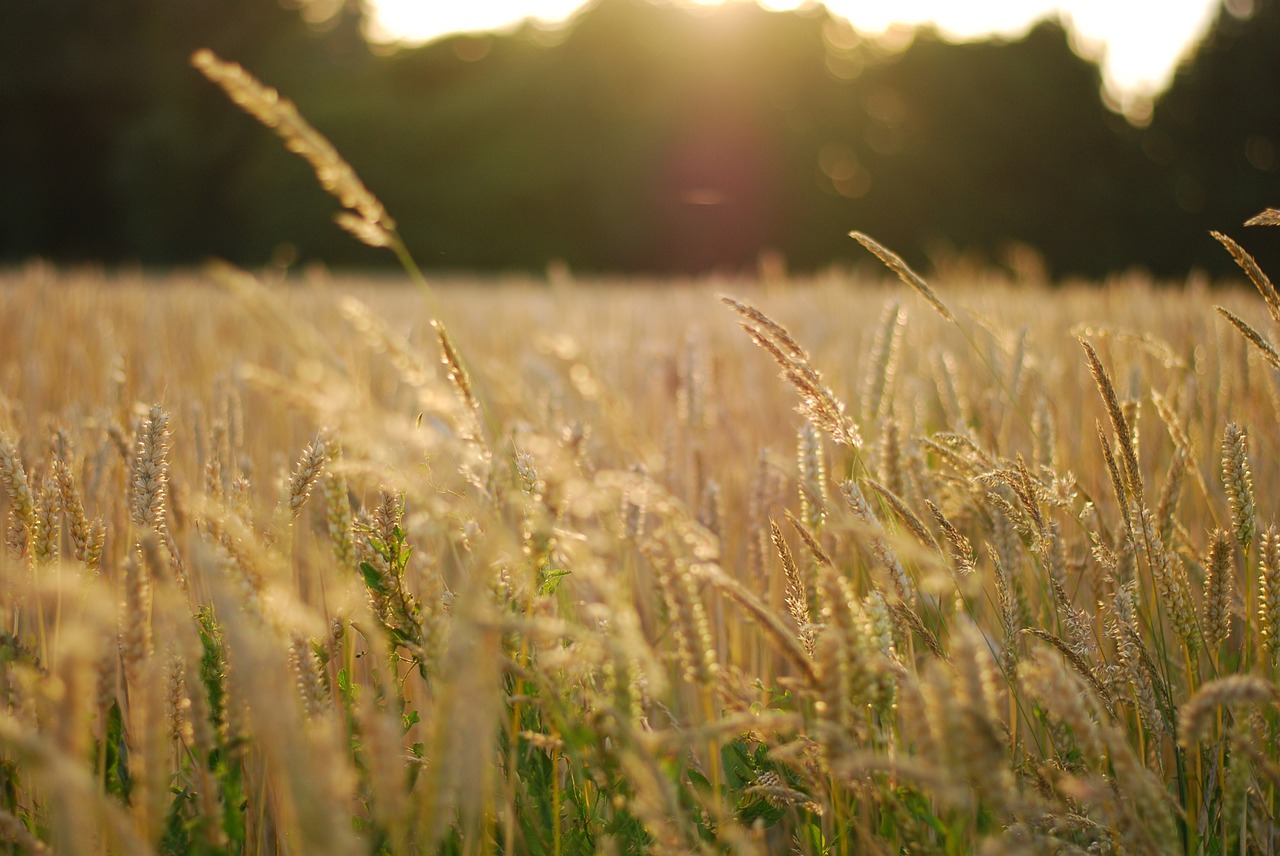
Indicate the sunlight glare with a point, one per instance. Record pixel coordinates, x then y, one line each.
424 20
1138 44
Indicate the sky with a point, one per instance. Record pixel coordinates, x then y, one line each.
1139 42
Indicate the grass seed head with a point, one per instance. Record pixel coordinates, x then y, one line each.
1218 586
1197 714
14 478
306 473
1238 482
1269 592
366 218
905 273
150 470
813 477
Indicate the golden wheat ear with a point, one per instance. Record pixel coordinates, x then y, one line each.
1270 217
818 403
1255 274
1268 597
905 273
365 217
1196 716
1255 338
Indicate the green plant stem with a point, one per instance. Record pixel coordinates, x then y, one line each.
556 830
713 742
410 266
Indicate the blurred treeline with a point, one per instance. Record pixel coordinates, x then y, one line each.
645 138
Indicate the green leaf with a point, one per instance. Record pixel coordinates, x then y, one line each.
115 777
736 762
551 581
178 824
755 807
816 840
409 720
346 688
699 781
373 579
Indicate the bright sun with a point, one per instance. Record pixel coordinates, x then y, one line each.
1140 49
423 20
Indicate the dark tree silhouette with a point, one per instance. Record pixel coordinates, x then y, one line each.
643 137
1215 133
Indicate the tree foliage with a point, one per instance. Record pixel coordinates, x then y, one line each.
642 137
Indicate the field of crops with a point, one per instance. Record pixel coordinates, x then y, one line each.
308 566
347 566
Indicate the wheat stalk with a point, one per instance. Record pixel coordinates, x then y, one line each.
817 402
1255 338
1119 424
813 477
1218 585
1268 607
366 218
14 478
1197 714
881 362
873 532
1268 291
797 598
905 273
1238 482
308 470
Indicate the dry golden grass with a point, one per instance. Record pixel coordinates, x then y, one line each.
290 567
542 603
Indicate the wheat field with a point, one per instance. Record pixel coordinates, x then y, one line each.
314 565
290 568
